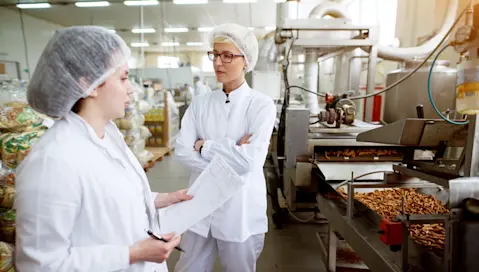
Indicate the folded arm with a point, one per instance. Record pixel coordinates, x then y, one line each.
48 201
245 158
185 143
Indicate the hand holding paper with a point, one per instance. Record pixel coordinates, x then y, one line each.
216 185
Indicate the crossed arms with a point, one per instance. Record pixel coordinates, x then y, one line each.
243 156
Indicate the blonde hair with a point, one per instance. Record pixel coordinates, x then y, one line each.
221 40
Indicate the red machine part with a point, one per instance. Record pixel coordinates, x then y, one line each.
391 232
329 98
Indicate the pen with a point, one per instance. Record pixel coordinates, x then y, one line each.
152 235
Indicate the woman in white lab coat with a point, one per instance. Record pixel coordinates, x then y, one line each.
235 123
83 201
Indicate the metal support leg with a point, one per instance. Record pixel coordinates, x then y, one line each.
350 206
371 84
405 248
332 245
471 165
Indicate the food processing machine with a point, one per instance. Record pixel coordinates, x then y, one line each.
402 196
423 215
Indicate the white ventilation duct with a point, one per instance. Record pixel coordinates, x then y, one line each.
335 10
422 51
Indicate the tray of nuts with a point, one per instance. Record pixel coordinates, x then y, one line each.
387 203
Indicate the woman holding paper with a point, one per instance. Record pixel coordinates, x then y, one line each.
236 124
83 200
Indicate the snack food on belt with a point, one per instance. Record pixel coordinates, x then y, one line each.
360 152
388 204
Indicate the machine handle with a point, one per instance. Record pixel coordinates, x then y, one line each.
420 111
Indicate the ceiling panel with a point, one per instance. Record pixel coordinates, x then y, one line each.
123 18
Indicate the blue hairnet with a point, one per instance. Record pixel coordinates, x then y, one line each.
75 61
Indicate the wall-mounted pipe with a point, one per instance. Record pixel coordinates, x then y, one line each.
422 51
335 10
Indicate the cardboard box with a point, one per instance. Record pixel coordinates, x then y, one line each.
3 70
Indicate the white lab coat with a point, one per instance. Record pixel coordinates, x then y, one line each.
222 125
80 203
172 105
200 88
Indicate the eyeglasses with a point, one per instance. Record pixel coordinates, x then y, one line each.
225 56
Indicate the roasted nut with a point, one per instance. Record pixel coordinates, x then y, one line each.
388 204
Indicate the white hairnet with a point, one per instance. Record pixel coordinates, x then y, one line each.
242 37
75 61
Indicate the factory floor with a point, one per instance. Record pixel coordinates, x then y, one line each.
293 248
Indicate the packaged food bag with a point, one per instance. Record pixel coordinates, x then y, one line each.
7 225
7 253
19 117
16 146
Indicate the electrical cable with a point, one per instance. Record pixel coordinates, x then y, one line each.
429 92
299 219
306 90
421 64
363 175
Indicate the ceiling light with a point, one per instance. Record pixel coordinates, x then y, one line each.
176 30
140 44
238 1
279 1
92 4
205 29
251 28
190 2
143 30
194 44
34 6
270 28
170 44
141 3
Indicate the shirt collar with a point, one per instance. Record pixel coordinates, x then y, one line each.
242 91
72 117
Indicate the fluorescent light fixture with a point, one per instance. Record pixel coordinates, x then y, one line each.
141 3
176 30
92 4
205 29
190 2
34 6
194 44
251 28
170 44
140 44
143 30
279 1
238 1
270 28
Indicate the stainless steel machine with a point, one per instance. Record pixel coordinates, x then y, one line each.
423 173
318 39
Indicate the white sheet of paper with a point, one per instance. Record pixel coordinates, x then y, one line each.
216 185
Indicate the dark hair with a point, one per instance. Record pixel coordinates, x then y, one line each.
78 105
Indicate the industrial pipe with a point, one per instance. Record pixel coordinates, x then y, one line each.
311 80
422 51
335 10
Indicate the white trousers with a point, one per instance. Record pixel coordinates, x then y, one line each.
200 253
